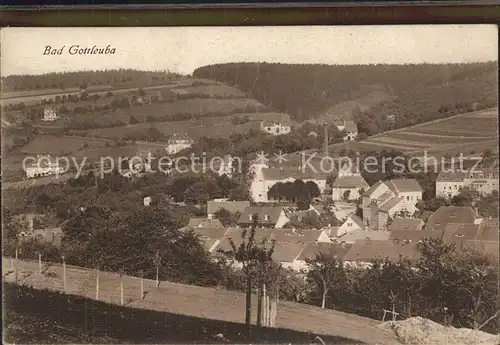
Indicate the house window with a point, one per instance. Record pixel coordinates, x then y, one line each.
349 224
407 198
277 130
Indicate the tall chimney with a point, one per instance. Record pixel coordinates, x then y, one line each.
326 139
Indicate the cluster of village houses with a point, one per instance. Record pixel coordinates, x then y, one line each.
390 227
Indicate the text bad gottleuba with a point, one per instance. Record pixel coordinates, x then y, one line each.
80 50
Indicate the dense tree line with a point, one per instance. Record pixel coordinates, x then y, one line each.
448 283
199 188
307 90
86 79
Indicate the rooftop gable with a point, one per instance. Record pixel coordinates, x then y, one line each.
231 206
450 214
408 224
403 185
368 250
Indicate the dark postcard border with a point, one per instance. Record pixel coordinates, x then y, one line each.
251 15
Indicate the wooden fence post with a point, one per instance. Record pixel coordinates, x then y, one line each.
121 291
122 273
268 312
15 267
141 275
274 309
97 285
64 273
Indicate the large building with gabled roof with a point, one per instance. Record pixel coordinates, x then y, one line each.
385 200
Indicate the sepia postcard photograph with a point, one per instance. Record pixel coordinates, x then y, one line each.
250 184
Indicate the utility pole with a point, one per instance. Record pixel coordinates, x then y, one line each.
326 139
40 262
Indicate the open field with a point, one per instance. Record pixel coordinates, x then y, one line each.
209 303
210 127
58 145
220 126
468 132
165 112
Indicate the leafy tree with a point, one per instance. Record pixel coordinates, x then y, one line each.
227 218
325 270
466 197
432 204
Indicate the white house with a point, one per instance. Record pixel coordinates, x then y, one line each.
349 127
348 183
264 177
178 143
352 223
351 131
43 166
49 114
449 184
385 200
267 216
483 180
225 166
276 127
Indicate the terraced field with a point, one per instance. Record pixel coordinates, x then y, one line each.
467 133
210 127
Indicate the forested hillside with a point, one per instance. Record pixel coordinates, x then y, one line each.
306 90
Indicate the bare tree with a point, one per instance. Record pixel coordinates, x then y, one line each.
157 262
252 257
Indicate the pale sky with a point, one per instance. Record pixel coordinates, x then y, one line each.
183 49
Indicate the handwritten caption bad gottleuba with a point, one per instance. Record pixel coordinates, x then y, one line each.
79 50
